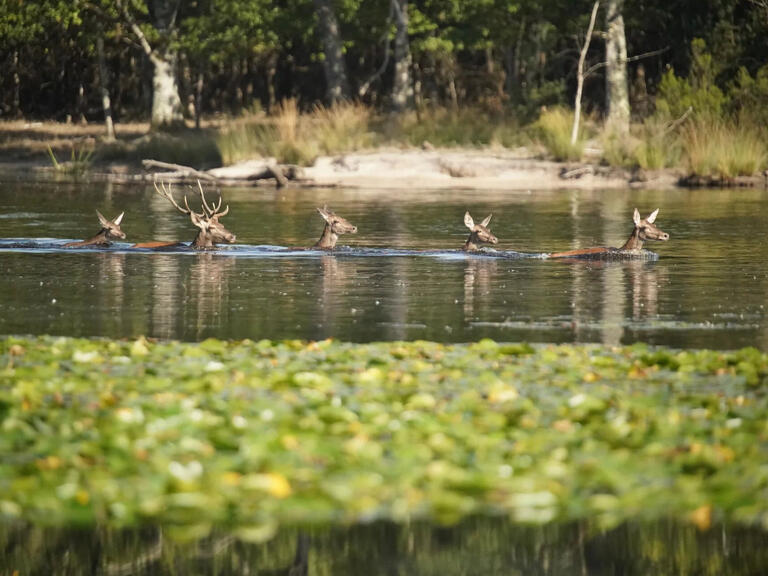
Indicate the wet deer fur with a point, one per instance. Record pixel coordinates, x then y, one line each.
478 233
644 230
210 230
110 230
335 225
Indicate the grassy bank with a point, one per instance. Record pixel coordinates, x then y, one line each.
259 434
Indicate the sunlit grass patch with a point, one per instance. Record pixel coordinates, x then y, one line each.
451 128
553 131
652 145
721 149
296 138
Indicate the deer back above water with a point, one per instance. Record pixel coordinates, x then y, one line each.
110 230
644 230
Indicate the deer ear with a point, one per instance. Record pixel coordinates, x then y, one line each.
325 214
651 219
636 217
119 219
103 221
468 222
196 220
487 220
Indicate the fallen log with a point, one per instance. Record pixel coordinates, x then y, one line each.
177 171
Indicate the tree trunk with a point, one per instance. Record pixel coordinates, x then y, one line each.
16 97
616 87
402 91
106 103
580 74
336 84
166 104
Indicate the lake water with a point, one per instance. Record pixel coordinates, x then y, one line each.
706 290
401 277
483 546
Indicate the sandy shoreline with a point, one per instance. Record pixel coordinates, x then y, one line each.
398 169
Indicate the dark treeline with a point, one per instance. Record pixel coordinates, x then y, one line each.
169 59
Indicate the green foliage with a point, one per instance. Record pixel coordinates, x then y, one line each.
748 97
553 131
259 434
698 91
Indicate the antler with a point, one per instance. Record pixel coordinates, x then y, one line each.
166 193
211 212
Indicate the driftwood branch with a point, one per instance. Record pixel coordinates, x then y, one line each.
576 173
178 171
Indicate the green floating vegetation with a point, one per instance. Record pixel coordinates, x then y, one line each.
255 435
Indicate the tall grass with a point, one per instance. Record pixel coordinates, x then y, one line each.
78 164
296 138
451 128
652 145
721 149
553 131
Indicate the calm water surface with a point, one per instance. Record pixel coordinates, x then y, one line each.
707 289
482 546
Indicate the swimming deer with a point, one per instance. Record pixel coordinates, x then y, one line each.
479 233
211 231
110 230
334 226
644 230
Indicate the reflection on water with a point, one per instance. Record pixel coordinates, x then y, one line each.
484 546
403 276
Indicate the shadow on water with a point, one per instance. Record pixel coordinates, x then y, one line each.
484 546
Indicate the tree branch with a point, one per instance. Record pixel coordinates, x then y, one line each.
136 29
365 86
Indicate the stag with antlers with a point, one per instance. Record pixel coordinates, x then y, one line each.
210 230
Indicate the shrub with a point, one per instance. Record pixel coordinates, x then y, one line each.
698 91
553 131
722 149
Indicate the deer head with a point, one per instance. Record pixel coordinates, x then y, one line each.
478 233
334 226
111 228
211 231
644 230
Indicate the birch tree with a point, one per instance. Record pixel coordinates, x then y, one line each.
402 88
616 84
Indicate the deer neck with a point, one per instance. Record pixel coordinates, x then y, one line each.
471 243
327 239
633 242
99 239
202 241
